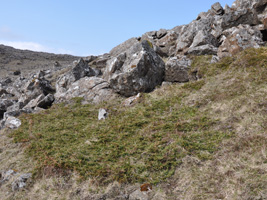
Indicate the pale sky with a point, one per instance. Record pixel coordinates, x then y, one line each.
90 27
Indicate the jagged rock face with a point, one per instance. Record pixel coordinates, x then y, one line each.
239 38
189 32
176 70
141 71
80 70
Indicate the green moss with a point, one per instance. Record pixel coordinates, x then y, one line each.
150 44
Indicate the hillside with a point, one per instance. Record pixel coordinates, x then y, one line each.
173 114
12 60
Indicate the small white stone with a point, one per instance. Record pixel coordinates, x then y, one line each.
102 114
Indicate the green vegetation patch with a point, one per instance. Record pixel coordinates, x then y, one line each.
142 143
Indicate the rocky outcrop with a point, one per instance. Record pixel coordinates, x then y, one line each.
140 69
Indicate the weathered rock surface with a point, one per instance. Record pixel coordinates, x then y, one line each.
141 71
176 70
92 89
123 47
239 38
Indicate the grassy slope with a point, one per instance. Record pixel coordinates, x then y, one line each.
205 139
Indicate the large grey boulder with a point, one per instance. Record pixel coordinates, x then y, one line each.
123 47
239 38
92 89
141 71
176 69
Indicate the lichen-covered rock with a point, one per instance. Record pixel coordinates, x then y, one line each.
141 71
176 69
239 38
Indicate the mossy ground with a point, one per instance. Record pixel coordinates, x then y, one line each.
219 120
